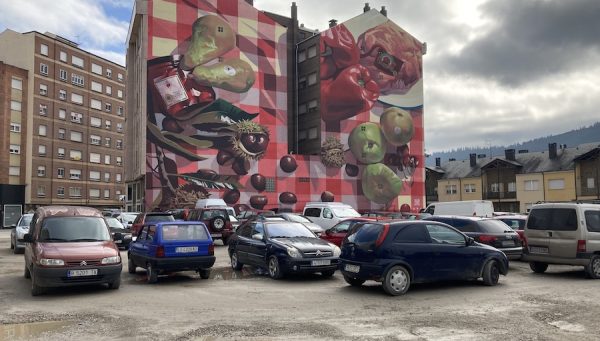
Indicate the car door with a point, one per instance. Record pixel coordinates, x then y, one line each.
242 242
452 258
314 214
138 248
337 233
412 245
257 248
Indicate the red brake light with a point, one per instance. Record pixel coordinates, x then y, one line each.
211 249
581 246
486 239
160 251
382 235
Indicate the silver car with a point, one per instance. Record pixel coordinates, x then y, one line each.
18 231
298 218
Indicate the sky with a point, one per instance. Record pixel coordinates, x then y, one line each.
495 72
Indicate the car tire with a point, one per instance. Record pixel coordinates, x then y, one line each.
26 272
396 281
491 273
327 273
225 240
274 268
235 263
355 282
130 265
204 273
152 274
115 284
36 290
12 245
593 268
217 223
538 267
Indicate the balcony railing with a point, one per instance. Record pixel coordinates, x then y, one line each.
499 195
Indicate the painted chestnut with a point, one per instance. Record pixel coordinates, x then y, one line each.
255 142
327 196
288 198
288 164
223 157
240 166
231 196
258 181
258 201
351 170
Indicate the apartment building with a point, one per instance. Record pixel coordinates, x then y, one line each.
66 121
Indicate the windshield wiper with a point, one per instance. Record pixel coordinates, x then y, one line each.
86 240
53 240
279 237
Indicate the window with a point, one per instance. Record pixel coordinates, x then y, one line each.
94 158
444 235
106 193
301 56
43 69
470 188
590 183
94 175
95 122
15 127
63 58
62 114
108 90
107 159
556 184
77 61
302 109
14 170
60 172
119 144
108 73
120 93
60 153
60 191
312 105
96 104
512 187
118 177
75 155
42 150
95 140
592 220
412 234
62 95
62 75
41 171
312 51
15 149
120 77
531 185
108 107
302 135
120 111
119 161
76 136
16 84
76 117
44 49
96 86
41 191
312 212
496 187
450 189
43 109
43 90
557 219
97 69
313 133
107 141
61 133
75 192
108 124
76 98
312 78
75 174
119 127
77 80
15 105
42 130
106 177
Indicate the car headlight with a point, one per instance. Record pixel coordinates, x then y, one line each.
336 251
293 252
111 260
52 262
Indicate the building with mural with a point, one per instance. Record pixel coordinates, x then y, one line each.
230 102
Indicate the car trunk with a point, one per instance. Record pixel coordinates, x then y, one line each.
187 248
360 244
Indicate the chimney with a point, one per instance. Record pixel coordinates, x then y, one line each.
523 151
481 156
552 150
332 22
367 7
509 154
251 2
451 159
383 11
438 162
473 160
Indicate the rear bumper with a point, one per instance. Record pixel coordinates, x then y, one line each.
581 259
513 253
367 271
57 277
182 263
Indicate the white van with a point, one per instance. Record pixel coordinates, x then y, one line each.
564 233
207 203
327 214
469 208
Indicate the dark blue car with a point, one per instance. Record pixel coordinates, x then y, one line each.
170 247
398 253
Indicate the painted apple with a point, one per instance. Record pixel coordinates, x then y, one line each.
397 126
366 142
380 184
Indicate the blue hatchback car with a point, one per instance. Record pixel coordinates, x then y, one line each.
170 247
399 253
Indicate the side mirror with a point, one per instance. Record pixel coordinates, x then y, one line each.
117 235
27 238
257 236
13 226
470 241
328 232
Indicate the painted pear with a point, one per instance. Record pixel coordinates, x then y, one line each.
212 36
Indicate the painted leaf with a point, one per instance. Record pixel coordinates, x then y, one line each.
210 181
161 140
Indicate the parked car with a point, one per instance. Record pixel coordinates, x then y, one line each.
171 247
486 231
149 217
250 214
338 232
399 253
216 219
119 233
327 214
299 218
70 245
127 218
564 233
18 231
283 248
517 223
467 208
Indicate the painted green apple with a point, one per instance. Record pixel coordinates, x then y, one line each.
397 126
380 184
367 143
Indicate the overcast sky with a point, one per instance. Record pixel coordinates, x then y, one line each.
495 72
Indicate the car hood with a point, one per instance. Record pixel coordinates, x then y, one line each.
304 243
78 250
116 230
313 227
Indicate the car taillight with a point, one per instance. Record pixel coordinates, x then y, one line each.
581 246
160 251
486 239
382 235
211 249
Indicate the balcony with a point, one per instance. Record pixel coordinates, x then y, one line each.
499 195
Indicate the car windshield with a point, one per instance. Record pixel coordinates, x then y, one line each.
345 212
25 220
70 229
298 218
493 226
287 230
515 224
233 219
113 223
128 217
152 218
184 232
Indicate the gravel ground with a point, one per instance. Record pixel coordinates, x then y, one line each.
559 305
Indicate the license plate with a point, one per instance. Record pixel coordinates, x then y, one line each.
538 249
80 273
216 235
320 262
508 243
118 241
186 249
352 268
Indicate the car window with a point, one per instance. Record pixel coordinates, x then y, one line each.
143 234
557 219
25 220
341 227
114 223
345 212
312 212
258 228
61 229
327 213
464 225
492 226
139 218
297 218
592 221
367 233
151 232
245 230
444 235
287 230
158 218
515 224
184 232
412 234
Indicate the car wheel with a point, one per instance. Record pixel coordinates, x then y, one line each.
130 265
12 245
355 282
115 285
204 273
593 268
225 240
491 273
36 290
235 263
152 274
217 223
538 267
26 272
328 273
274 268
396 281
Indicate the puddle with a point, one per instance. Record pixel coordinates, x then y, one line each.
566 326
230 274
28 330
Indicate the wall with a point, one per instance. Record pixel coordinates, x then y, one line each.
527 198
442 190
477 182
565 194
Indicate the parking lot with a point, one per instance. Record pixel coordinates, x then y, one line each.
558 305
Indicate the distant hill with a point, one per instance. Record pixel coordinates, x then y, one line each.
571 138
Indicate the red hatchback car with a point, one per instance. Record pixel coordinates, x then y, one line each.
517 223
336 233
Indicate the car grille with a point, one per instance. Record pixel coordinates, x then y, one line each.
93 262
320 254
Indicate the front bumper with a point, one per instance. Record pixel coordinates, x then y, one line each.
57 277
182 263
304 265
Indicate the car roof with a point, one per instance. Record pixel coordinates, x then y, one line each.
178 222
566 205
158 213
511 216
67 211
457 217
